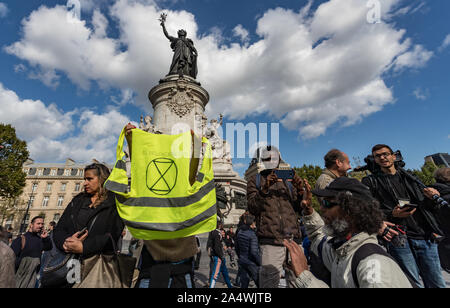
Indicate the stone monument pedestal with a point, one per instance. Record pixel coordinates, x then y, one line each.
178 103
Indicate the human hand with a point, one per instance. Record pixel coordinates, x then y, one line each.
129 128
270 180
404 212
298 263
74 244
430 192
306 203
44 234
387 232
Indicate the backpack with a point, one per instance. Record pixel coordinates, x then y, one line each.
367 250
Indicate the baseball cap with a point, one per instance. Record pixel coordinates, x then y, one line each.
344 184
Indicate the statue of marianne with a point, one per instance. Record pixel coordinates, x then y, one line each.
184 60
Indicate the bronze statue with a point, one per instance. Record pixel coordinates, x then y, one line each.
184 60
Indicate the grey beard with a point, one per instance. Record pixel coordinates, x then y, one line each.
337 228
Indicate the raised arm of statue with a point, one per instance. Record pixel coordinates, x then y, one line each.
162 19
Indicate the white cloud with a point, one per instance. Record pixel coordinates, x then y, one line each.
3 10
308 89
54 135
445 43
242 33
421 94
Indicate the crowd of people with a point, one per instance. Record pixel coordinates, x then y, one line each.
386 231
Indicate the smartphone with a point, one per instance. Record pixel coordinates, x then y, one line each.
285 174
82 232
410 207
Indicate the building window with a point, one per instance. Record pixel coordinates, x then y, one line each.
67 172
40 171
49 187
30 201
53 172
34 186
63 186
60 201
77 187
45 201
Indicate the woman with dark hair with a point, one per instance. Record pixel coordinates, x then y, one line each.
93 209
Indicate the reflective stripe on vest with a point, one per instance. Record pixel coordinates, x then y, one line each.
161 203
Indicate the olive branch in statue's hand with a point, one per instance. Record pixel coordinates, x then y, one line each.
163 18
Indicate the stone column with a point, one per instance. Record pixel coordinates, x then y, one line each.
178 102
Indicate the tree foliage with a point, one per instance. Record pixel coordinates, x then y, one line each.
13 154
426 173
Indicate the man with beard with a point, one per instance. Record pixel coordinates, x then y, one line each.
28 249
351 220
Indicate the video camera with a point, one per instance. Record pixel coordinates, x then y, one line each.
373 167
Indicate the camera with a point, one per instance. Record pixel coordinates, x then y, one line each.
373 167
285 174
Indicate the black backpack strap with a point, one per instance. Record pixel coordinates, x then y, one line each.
367 250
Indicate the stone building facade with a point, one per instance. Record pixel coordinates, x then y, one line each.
49 189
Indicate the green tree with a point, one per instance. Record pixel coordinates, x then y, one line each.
426 173
311 173
13 154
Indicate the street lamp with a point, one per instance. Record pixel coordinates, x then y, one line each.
22 226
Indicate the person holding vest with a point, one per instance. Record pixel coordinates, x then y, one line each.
275 204
153 207
346 240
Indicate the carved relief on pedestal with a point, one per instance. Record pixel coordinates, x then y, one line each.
180 99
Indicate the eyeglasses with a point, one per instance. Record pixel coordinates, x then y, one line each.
385 154
328 204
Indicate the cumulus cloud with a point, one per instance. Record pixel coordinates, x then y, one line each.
309 69
54 135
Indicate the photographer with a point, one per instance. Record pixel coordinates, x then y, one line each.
275 203
345 238
403 203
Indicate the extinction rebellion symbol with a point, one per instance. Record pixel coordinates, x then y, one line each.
162 176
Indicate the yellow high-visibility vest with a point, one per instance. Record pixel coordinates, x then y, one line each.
161 203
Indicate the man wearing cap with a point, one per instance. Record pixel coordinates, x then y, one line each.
351 219
275 204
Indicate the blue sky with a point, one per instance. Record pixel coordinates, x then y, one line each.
324 70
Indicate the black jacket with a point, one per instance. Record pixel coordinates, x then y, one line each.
215 243
108 222
443 214
381 190
34 246
247 247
